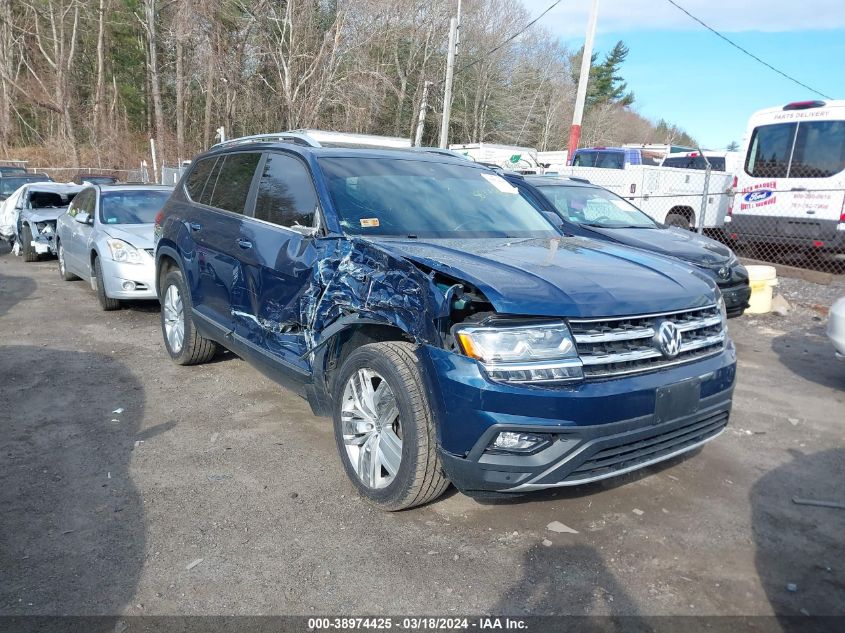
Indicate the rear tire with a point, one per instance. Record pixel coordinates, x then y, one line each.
106 302
29 254
183 343
63 271
676 219
394 430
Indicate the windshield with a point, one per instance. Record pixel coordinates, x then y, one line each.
98 180
606 160
809 149
393 197
131 207
10 184
595 207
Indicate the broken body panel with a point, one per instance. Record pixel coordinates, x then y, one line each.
290 302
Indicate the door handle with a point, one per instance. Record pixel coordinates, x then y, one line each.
243 243
195 226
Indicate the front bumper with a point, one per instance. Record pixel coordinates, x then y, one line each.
736 298
796 232
43 244
141 276
596 429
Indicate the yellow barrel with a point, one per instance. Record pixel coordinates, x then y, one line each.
762 279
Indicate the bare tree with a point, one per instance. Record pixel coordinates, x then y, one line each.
51 31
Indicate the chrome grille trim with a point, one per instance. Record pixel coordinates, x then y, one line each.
697 324
623 357
627 345
625 335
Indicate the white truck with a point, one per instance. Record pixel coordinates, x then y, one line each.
511 157
670 195
553 162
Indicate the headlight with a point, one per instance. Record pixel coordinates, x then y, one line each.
528 353
722 309
123 252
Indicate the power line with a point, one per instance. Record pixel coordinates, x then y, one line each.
750 54
507 41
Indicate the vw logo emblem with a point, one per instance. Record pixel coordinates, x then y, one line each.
724 272
668 339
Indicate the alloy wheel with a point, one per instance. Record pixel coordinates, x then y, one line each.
174 318
372 431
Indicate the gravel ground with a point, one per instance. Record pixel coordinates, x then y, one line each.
807 295
132 486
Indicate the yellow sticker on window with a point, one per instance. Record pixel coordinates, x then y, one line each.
369 222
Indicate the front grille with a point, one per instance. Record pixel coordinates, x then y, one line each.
609 461
627 345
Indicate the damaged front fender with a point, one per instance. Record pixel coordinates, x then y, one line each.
355 277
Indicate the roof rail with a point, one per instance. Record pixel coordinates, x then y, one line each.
296 138
322 138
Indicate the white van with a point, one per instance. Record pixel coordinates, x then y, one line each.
790 188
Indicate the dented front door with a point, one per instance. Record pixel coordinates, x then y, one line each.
282 259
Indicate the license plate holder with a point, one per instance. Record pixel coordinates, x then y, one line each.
677 400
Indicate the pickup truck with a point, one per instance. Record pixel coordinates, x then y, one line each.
669 195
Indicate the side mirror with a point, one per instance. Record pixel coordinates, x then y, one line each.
83 218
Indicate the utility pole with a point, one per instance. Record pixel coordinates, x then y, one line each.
447 93
421 119
155 160
583 80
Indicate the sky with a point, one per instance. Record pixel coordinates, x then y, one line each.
682 72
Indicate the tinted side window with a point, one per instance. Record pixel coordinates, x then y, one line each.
768 152
677 161
198 177
76 205
716 164
286 194
233 182
819 150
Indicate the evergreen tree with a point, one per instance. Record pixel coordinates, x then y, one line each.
606 84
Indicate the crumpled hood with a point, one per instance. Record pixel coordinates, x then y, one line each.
686 245
138 235
574 278
44 215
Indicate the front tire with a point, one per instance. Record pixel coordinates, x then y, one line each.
106 302
63 271
384 428
29 254
183 343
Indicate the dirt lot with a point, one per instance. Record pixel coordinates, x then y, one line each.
120 470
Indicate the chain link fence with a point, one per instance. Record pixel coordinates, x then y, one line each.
72 174
768 211
171 175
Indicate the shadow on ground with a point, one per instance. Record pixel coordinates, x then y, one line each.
13 290
72 521
566 580
809 354
800 549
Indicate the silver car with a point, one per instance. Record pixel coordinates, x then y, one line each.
106 238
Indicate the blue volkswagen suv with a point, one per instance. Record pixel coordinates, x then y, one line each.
447 327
